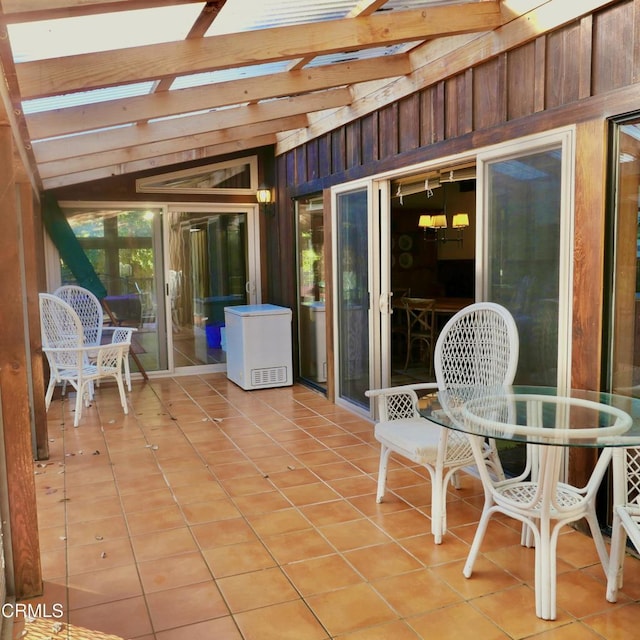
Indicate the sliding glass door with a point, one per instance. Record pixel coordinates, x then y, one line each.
527 253
210 265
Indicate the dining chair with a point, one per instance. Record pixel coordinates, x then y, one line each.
89 309
421 321
63 343
477 346
626 520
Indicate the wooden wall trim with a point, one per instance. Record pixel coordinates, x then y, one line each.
14 385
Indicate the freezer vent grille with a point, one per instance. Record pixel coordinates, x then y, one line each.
271 375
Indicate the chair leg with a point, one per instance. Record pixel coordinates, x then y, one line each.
123 397
385 452
49 395
438 505
127 372
616 558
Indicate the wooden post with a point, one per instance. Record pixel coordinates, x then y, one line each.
22 518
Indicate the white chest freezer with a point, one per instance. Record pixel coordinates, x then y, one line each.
259 353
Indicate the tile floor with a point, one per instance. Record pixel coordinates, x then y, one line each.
210 513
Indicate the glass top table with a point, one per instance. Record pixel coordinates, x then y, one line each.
575 418
548 422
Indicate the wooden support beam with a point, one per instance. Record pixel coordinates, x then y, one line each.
22 518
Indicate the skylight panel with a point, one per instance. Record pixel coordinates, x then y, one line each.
45 39
224 75
234 16
86 97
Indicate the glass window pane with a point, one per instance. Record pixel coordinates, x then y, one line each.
121 248
311 303
524 255
625 354
352 294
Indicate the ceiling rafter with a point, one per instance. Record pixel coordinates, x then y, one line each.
120 138
152 62
157 105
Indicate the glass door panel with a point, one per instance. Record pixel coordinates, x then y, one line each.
312 342
351 278
523 254
122 245
624 347
208 270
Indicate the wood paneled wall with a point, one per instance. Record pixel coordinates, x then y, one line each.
582 73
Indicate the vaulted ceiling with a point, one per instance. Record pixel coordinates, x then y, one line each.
200 79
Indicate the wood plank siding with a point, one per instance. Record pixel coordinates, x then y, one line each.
582 73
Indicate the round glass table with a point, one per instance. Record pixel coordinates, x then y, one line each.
547 422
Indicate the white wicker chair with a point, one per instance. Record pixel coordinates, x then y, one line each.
626 521
68 356
477 346
91 314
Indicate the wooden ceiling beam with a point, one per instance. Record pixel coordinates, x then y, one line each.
31 10
158 162
111 113
441 58
153 62
141 134
92 161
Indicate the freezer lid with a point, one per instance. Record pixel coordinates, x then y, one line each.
257 310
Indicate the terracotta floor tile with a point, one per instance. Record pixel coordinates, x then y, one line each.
416 592
148 500
283 521
185 605
277 504
99 555
291 547
79 533
175 571
332 512
211 511
293 477
261 503
142 522
514 610
232 559
223 532
351 608
424 548
286 621
354 534
380 561
218 629
104 585
160 544
486 578
318 575
309 494
398 630
256 589
457 621
199 492
85 510
125 618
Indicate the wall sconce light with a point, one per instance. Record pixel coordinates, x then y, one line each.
265 199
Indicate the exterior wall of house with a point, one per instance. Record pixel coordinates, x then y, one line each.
582 74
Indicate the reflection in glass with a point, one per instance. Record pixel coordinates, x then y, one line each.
122 246
625 346
207 272
311 291
524 255
352 296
